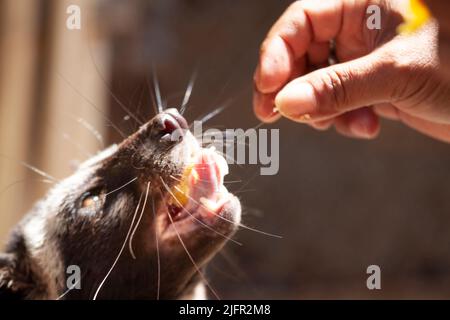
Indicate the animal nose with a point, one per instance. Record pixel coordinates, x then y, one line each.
169 126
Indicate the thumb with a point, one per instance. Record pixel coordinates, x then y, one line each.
339 88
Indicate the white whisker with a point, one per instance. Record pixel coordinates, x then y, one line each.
212 114
68 83
204 180
80 148
195 218
12 184
38 171
92 130
157 92
157 252
230 221
259 125
190 257
68 290
130 243
120 252
122 186
105 84
188 93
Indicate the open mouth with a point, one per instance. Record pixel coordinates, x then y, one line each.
200 193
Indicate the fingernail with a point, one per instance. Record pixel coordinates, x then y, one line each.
263 106
296 100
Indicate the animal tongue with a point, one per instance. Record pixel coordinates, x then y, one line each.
207 186
202 183
206 179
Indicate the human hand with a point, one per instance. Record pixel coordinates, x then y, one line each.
440 9
380 72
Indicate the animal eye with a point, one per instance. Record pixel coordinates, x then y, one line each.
91 201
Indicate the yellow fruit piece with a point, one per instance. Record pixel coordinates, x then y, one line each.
416 16
181 190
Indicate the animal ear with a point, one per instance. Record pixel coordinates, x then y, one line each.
12 283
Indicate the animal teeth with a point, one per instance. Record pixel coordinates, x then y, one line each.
213 206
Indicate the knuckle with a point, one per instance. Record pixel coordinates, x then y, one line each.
409 76
335 84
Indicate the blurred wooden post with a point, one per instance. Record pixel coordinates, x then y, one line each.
75 90
17 64
48 88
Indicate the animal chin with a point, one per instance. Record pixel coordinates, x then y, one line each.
200 194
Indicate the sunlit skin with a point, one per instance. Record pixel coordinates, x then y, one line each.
440 10
380 74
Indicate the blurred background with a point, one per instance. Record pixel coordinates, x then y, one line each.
340 205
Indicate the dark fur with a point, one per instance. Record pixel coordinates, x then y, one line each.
91 240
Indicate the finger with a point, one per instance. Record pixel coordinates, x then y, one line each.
275 65
435 130
440 10
290 37
386 110
263 104
362 123
331 91
263 107
322 125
